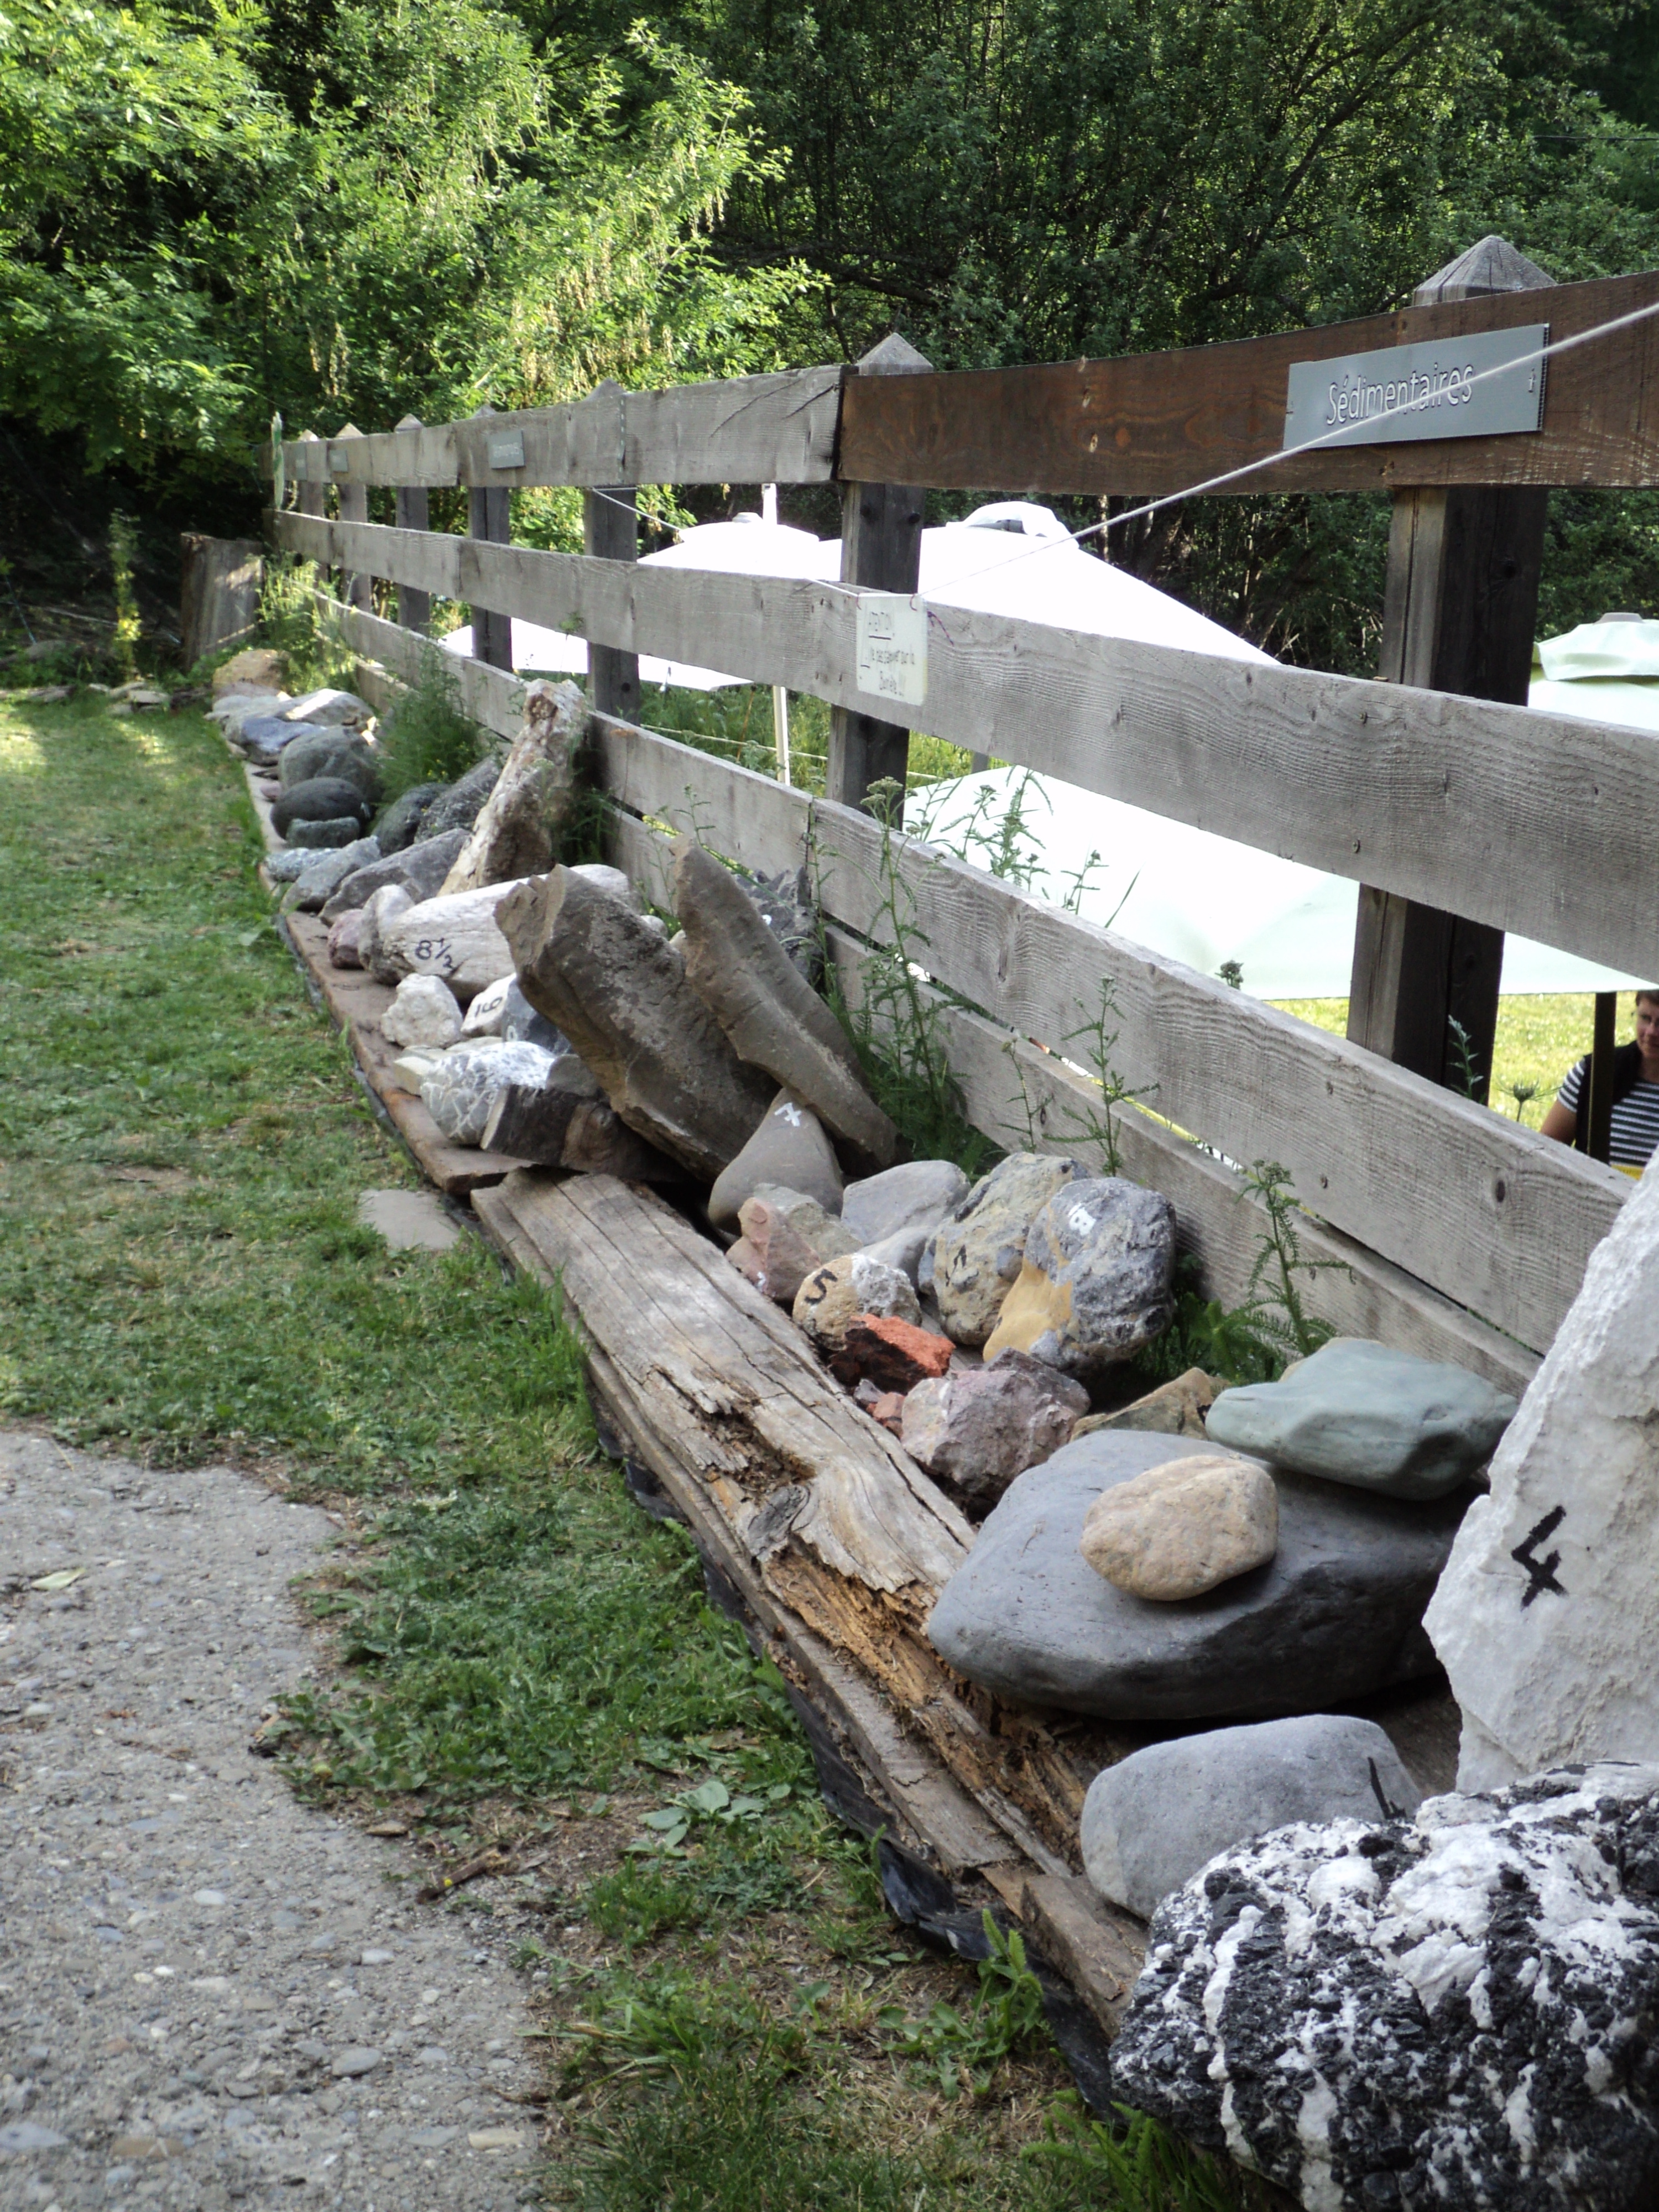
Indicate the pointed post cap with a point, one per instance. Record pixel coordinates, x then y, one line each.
1491 264
411 422
309 438
894 356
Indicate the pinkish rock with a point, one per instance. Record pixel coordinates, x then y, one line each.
342 939
978 1427
785 1235
893 1354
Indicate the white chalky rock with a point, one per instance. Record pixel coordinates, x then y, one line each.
411 1068
422 1011
455 937
483 1015
1546 1614
461 1089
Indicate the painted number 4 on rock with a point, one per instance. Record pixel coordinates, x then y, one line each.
892 647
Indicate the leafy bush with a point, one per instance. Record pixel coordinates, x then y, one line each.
426 738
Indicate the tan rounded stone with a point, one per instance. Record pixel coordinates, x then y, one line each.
836 1294
1181 1529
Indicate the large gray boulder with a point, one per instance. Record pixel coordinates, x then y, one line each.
400 822
772 1015
1336 1614
1450 2013
1094 1285
1355 1412
980 1245
595 969
421 870
335 752
1155 1819
460 806
320 799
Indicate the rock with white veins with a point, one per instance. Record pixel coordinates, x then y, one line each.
461 1090
1546 1616
773 1017
1451 2012
588 963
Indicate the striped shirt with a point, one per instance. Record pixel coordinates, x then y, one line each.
1635 1119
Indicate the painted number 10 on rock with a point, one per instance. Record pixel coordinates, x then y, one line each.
891 642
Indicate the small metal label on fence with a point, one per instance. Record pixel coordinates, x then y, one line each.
1487 384
339 461
891 644
507 452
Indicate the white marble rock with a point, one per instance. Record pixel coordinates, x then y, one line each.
1546 1616
422 1012
456 938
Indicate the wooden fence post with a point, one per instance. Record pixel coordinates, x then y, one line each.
489 515
310 490
414 512
611 531
357 591
880 548
1458 609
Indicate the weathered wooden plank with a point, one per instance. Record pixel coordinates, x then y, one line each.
1154 422
779 429
488 695
1534 824
356 1001
846 1532
1098 1951
1491 1214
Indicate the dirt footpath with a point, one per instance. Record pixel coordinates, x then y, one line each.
209 1994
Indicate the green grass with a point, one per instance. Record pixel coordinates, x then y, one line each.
733 2021
1539 1038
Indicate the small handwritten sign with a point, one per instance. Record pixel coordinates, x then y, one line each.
1483 385
892 644
507 452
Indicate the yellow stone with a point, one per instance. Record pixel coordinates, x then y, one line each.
1180 1529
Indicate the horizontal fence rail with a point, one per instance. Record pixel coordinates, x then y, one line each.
753 429
1153 422
1534 824
1488 1214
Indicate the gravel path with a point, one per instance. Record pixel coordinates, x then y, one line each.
208 1993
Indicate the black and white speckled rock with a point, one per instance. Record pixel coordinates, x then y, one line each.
1454 2013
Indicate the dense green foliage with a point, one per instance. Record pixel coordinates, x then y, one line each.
212 209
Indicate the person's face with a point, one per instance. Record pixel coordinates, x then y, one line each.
1647 1027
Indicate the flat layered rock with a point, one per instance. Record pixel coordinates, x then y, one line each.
1334 1615
517 827
587 962
1358 1413
771 1013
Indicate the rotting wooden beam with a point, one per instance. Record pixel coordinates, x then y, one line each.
845 1532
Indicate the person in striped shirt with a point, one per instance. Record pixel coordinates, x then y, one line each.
1635 1093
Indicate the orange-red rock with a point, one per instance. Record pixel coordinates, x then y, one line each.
892 1354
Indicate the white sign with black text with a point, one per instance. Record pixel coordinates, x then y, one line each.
891 642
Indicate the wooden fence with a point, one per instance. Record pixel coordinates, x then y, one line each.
1465 1234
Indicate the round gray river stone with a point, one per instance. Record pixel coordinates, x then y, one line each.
1153 1820
1357 1413
1336 1614
401 821
318 798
